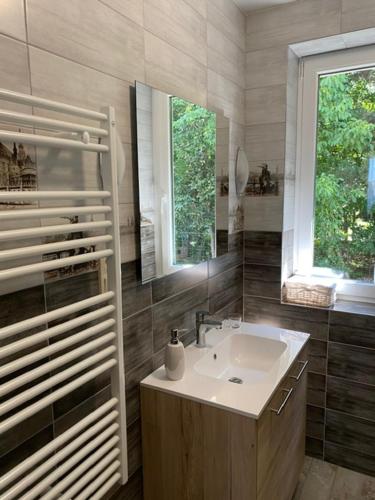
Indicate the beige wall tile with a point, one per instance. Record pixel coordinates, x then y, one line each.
178 24
226 96
12 19
96 37
172 71
263 213
56 78
225 57
266 67
199 5
228 19
13 65
265 142
133 9
294 22
357 14
266 105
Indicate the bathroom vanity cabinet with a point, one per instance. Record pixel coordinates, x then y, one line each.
196 451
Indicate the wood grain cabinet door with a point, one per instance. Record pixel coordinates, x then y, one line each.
281 437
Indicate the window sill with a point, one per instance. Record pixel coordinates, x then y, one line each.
344 306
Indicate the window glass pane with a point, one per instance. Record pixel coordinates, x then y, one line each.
193 178
344 237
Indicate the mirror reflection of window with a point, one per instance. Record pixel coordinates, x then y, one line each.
193 147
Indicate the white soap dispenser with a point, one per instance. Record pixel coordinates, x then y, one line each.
175 357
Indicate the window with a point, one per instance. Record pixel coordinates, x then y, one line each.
335 196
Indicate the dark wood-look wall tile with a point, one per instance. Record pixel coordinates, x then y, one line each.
71 290
315 422
26 449
132 490
316 389
353 363
81 411
73 399
135 295
349 328
179 281
272 312
235 308
177 312
134 447
351 397
349 459
19 306
137 332
351 432
263 281
233 258
317 356
225 288
314 447
25 430
132 380
263 247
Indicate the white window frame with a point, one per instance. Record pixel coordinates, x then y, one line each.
310 70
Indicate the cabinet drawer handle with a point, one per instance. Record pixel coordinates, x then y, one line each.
283 404
297 377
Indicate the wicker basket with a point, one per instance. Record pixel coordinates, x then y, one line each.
310 294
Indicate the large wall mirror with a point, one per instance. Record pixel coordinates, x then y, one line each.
183 154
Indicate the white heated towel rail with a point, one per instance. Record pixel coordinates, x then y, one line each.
90 457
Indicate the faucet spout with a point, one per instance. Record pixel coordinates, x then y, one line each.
203 325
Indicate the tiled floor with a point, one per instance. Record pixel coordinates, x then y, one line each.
324 481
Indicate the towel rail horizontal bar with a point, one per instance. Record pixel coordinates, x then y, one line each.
51 447
42 319
49 123
52 195
33 213
52 142
39 102
98 495
42 485
35 232
49 333
27 412
60 455
40 267
75 475
50 382
21 252
31 375
55 347
98 482
20 345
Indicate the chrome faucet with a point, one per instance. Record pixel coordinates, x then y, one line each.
203 325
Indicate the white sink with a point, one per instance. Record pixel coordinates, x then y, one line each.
242 358
256 357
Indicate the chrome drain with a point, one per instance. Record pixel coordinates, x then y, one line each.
235 380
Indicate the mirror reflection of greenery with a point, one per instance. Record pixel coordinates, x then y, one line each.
344 223
194 180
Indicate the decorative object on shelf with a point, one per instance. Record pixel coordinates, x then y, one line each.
310 291
242 171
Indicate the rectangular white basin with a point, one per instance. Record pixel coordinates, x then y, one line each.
242 358
256 356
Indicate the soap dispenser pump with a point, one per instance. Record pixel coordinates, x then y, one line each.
175 357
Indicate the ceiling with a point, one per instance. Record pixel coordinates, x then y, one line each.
247 5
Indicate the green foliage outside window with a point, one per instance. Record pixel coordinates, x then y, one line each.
194 180
344 228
